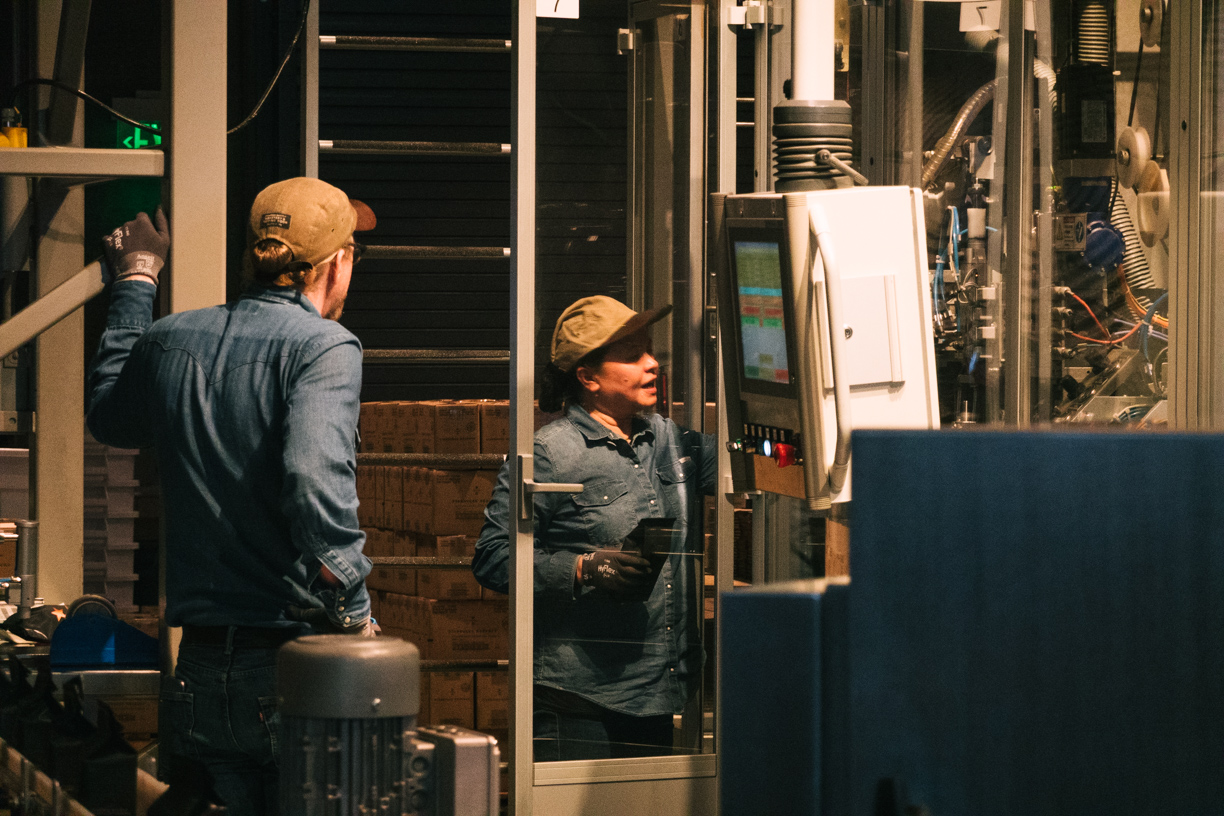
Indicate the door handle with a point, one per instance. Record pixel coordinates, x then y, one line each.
528 486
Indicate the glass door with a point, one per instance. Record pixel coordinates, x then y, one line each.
612 711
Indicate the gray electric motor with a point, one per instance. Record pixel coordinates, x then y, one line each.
348 725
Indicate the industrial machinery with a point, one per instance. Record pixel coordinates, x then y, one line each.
822 299
351 740
828 331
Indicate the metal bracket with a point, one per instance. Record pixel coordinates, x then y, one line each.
624 40
756 12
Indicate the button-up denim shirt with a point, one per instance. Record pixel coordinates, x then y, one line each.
252 408
636 657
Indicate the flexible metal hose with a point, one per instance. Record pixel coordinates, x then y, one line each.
1092 32
964 118
968 112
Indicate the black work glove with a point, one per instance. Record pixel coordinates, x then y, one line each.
138 247
614 572
318 618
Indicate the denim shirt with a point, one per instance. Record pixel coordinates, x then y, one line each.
636 657
252 408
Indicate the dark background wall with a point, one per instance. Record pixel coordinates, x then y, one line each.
582 169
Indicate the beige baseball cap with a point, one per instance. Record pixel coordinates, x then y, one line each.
595 322
311 217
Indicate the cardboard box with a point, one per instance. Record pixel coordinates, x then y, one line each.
395 499
459 630
494 426
447 698
402 544
137 714
400 580
365 427
459 500
418 501
492 701
456 426
447 584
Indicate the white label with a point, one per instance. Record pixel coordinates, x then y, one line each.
982 15
1070 229
557 8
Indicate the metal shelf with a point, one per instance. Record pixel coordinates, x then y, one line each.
81 162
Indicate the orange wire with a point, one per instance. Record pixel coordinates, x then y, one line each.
1083 303
1133 303
1111 342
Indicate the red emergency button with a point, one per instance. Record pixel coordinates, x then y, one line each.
786 455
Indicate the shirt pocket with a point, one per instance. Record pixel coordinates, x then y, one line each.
604 511
677 471
677 477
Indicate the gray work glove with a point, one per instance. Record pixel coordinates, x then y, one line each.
319 619
614 572
139 247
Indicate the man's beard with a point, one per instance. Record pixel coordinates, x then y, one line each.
335 311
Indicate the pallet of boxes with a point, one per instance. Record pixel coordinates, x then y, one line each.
433 512
110 518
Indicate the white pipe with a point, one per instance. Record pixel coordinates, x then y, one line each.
837 346
813 25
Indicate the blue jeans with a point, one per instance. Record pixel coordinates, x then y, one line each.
220 710
566 726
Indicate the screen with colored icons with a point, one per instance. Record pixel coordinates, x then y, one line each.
758 266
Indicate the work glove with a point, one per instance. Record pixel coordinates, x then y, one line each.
318 618
139 247
614 572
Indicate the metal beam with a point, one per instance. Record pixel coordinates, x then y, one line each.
50 309
197 149
81 163
57 451
69 64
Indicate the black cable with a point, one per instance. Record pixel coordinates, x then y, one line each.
1159 69
55 83
1135 87
288 53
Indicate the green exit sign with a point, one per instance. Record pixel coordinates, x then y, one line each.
134 138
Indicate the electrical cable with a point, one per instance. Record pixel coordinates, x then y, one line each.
1133 303
267 91
1113 341
55 83
1084 303
1130 119
63 86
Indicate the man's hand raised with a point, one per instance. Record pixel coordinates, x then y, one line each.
138 249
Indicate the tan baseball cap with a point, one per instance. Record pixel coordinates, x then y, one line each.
311 217
595 322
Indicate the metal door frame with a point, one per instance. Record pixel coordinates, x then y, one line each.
658 784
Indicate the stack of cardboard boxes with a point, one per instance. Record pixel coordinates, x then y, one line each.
418 511
110 518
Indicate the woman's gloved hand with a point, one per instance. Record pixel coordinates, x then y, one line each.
614 572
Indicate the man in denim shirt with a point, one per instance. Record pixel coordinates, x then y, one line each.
617 634
252 408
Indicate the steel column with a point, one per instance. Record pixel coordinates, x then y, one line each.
197 153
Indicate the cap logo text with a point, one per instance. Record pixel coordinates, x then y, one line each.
280 220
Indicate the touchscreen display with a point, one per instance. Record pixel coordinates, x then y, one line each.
758 266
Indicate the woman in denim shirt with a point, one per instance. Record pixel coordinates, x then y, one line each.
617 635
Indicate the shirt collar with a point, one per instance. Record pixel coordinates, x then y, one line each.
596 431
281 294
